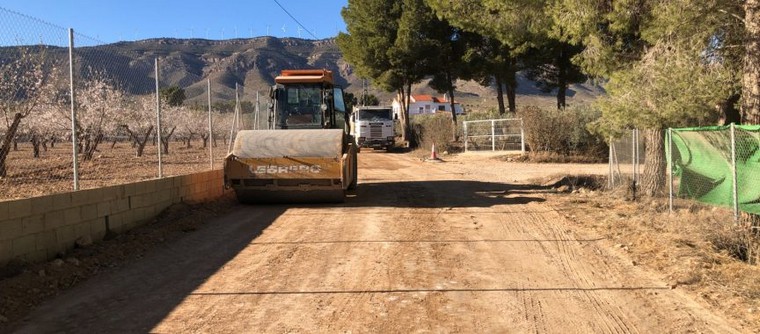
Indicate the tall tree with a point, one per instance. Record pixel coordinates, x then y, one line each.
751 63
550 66
653 51
519 25
390 42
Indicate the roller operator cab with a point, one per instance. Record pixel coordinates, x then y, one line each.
307 153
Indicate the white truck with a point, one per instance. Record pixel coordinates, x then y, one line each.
374 127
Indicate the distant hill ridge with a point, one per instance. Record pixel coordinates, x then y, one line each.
252 63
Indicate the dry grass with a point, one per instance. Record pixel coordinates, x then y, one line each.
697 248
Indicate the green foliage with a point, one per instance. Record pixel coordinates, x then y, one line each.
369 100
173 96
673 86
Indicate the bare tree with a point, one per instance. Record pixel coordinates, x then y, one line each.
22 82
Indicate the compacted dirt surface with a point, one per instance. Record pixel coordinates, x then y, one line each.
419 247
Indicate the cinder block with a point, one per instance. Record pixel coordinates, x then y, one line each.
81 197
33 224
66 235
11 229
164 195
54 220
19 208
47 240
23 245
5 252
82 229
61 201
120 205
89 211
111 193
98 229
42 205
4 210
72 216
104 208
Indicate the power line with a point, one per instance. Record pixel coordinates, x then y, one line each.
294 19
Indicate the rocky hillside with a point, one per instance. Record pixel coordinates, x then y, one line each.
253 64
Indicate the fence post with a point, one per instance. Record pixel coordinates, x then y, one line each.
634 162
158 125
670 169
210 131
522 136
74 143
493 135
610 181
465 135
733 171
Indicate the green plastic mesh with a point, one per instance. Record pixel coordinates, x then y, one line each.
702 165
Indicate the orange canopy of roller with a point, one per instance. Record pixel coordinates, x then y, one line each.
304 76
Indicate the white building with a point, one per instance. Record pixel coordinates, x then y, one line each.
427 104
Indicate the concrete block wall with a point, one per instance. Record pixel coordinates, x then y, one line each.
37 229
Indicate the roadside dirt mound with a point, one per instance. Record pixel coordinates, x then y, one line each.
567 183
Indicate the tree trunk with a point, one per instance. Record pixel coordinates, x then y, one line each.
36 145
204 137
653 178
91 146
7 141
728 111
511 82
561 99
751 77
454 134
165 141
500 94
53 141
139 143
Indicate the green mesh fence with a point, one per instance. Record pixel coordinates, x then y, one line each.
703 160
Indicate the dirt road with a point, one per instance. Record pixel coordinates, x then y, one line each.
421 247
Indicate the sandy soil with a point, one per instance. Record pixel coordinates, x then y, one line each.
463 246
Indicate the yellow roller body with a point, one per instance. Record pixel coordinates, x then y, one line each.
292 166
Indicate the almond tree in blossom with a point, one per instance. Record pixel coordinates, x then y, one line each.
22 78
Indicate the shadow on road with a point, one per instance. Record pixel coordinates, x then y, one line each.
138 297
444 194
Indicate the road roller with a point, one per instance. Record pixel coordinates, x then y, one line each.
306 154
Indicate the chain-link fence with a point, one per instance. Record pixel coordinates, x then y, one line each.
718 165
626 159
80 113
494 135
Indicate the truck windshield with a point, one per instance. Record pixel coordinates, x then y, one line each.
375 115
299 106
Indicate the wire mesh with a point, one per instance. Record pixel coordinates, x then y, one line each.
116 102
718 165
626 160
494 135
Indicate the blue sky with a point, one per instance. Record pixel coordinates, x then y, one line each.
112 21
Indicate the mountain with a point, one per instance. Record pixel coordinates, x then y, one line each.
253 63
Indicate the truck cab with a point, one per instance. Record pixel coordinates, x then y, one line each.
374 127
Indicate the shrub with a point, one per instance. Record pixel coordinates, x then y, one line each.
561 131
432 129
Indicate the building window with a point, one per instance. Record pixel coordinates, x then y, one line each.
441 108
